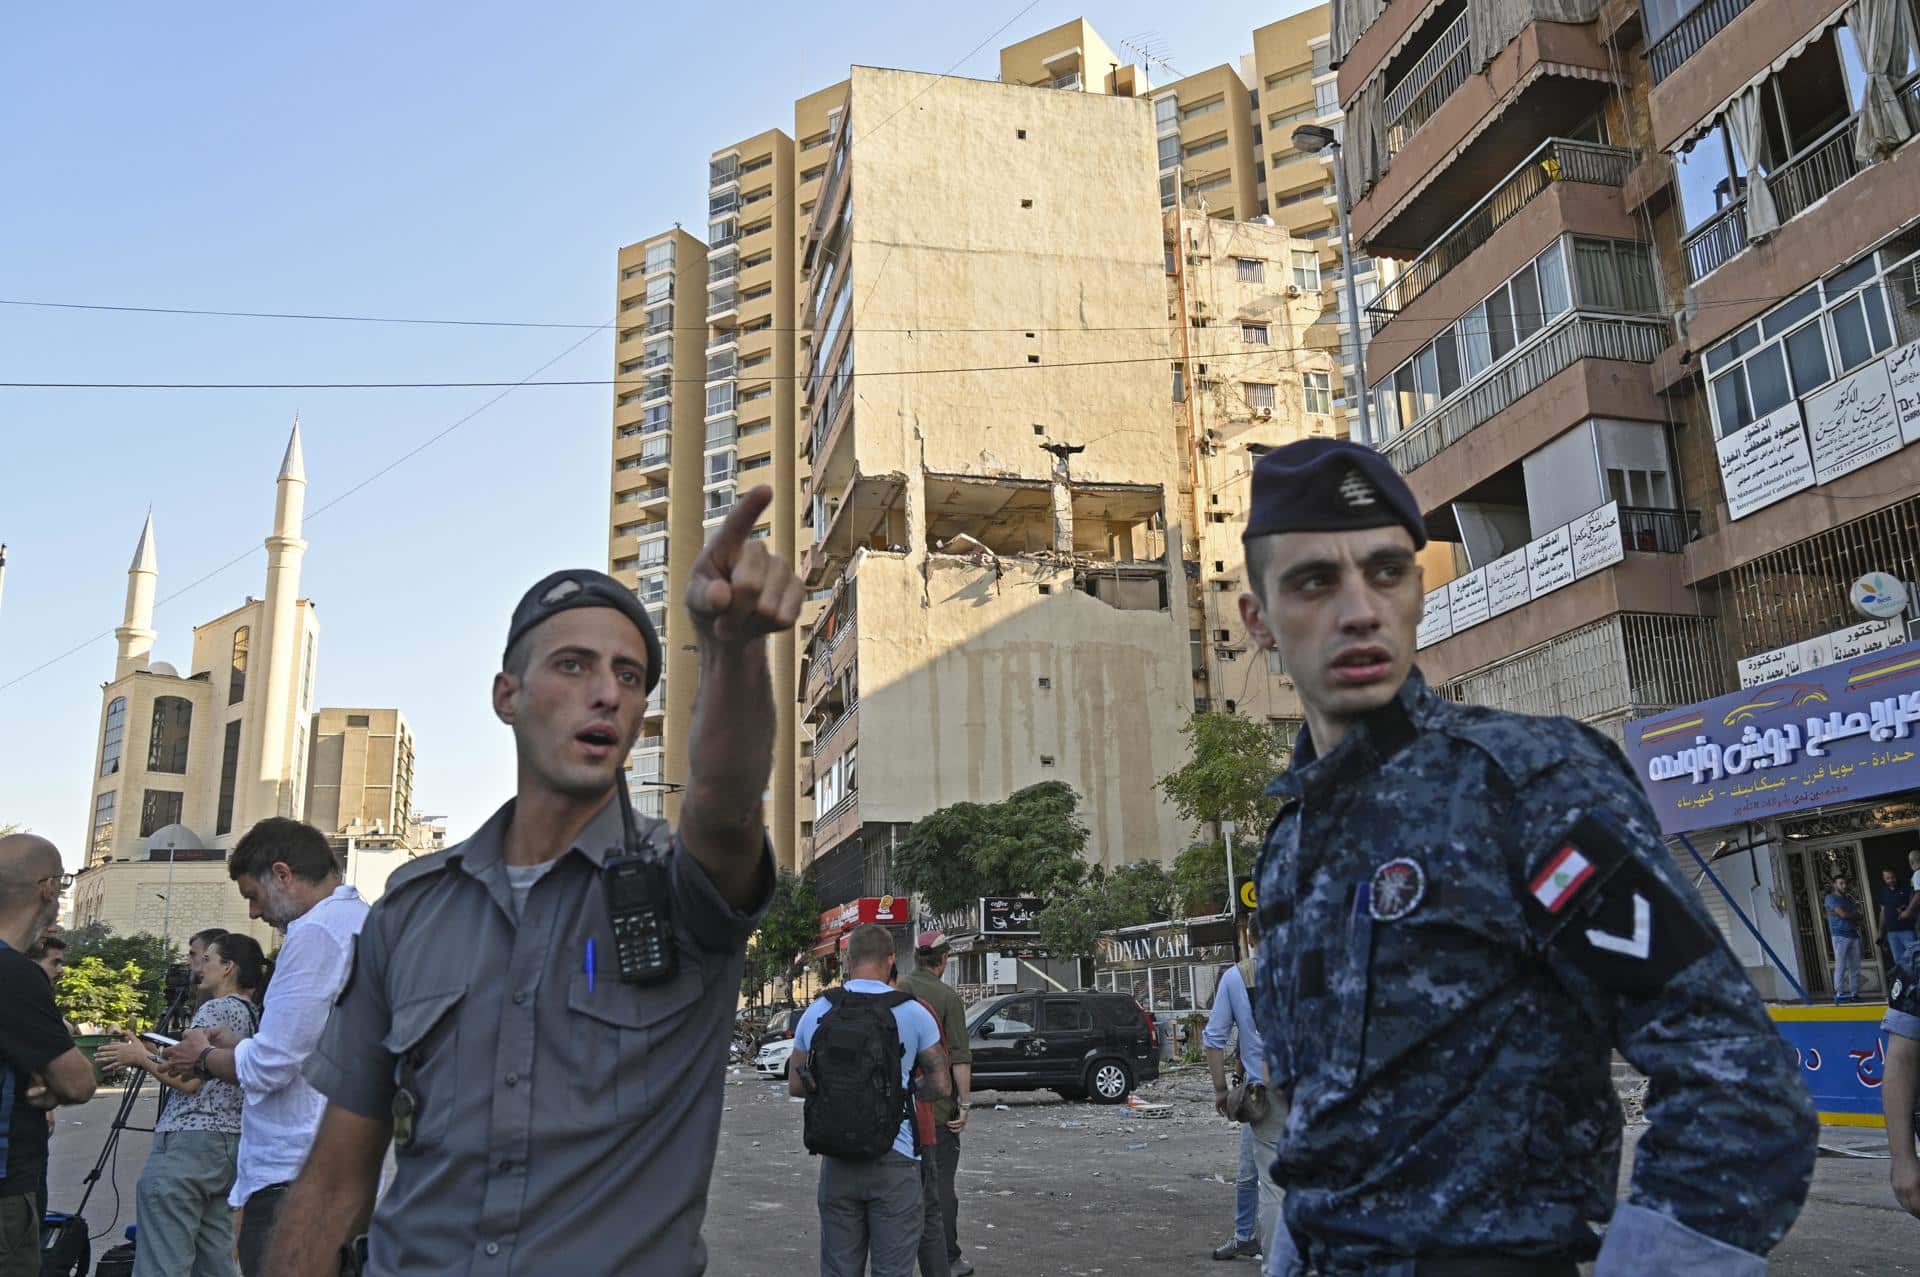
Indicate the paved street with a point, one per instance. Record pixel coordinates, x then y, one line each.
1049 1188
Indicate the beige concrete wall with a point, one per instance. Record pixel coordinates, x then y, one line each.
361 774
131 897
1224 426
950 654
1070 47
1233 121
964 225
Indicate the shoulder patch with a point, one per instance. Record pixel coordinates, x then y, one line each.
1599 908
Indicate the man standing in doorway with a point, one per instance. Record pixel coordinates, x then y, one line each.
1897 909
1843 921
288 876
941 1163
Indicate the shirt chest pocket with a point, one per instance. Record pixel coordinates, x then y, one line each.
424 1040
635 1045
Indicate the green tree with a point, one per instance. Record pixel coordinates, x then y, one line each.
1200 877
142 949
92 992
1130 896
1231 760
1028 845
790 927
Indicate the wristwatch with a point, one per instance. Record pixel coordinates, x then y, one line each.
200 1064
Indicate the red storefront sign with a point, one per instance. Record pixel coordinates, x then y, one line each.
837 922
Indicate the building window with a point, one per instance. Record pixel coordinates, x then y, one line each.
1798 347
1326 98
719 501
1166 113
1205 108
306 677
1306 270
1318 393
158 809
1212 184
1179 384
229 778
1249 270
103 806
1169 150
359 720
1254 334
115 734
1207 147
237 672
167 743
659 257
1169 192
1259 394
719 467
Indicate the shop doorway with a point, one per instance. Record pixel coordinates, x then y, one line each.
1811 871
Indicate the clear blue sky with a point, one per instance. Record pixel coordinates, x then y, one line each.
473 161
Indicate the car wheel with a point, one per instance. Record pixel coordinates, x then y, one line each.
1109 1081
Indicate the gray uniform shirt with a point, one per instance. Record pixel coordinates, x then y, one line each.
560 1128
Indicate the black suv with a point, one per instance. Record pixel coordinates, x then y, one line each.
1085 1045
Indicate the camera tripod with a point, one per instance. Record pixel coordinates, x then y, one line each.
173 1024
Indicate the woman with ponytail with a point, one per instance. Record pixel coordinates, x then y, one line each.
186 1228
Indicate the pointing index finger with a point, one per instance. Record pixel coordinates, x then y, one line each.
747 508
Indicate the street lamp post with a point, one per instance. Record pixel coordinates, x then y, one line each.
1312 139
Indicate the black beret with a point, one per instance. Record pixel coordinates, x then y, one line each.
1330 485
584 587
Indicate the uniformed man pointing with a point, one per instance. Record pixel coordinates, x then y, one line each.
551 1081
1465 913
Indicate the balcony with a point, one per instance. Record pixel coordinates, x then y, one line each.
722 302
1671 50
722 172
722 366
1556 160
1576 337
655 456
1818 170
836 824
1650 531
868 512
720 269
1428 83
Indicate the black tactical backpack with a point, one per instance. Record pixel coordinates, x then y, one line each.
858 1100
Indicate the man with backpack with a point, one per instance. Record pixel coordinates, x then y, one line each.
854 1054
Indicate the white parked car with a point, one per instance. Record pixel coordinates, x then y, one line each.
773 1057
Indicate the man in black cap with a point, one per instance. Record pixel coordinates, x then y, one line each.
1465 912
551 1083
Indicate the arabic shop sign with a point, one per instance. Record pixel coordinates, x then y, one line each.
1842 1055
1010 915
1832 735
1862 639
1545 564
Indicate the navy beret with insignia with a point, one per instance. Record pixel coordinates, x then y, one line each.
584 587
1330 485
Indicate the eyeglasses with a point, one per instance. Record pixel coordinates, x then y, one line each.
65 880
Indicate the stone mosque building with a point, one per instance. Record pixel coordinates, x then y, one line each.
186 763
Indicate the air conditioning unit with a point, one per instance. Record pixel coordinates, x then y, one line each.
1293 290
1915 289
1265 414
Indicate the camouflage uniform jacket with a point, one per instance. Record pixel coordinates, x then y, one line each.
1465 912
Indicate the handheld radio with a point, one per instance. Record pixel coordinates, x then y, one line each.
639 895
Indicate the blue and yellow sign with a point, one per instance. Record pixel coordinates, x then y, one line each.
1843 1059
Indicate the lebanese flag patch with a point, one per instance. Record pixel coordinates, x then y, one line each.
1562 877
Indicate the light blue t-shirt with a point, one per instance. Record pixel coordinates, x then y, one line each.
1232 1009
1842 928
917 1032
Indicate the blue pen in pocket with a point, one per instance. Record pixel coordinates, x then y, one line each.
591 973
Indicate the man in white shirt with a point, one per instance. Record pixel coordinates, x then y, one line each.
286 872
